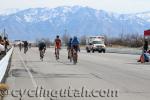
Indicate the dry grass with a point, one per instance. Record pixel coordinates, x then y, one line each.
3 87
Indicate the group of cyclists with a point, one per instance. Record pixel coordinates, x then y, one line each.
25 45
72 47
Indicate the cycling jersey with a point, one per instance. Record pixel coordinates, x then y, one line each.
57 43
42 46
25 44
75 41
75 44
69 43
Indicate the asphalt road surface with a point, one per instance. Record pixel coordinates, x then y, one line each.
109 76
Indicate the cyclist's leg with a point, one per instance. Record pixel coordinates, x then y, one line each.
75 53
77 48
72 52
58 52
24 49
55 52
40 53
27 49
44 51
69 53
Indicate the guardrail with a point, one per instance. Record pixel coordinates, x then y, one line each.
4 64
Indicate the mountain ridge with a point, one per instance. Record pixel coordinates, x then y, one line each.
35 23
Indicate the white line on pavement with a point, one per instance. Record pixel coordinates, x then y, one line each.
30 74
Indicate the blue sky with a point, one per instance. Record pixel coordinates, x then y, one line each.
119 6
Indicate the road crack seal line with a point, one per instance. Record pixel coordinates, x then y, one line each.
96 76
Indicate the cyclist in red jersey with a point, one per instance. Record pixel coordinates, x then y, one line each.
57 46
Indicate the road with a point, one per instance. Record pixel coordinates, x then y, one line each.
118 73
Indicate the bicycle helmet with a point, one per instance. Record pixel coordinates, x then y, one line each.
57 36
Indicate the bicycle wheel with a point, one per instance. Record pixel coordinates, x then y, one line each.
57 54
70 55
25 50
74 57
41 55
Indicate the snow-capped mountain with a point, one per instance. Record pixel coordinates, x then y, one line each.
8 11
144 15
45 22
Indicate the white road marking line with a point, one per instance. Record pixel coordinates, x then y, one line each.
30 74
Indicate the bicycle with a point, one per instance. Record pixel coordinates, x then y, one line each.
20 48
25 50
42 52
70 55
57 53
74 53
74 56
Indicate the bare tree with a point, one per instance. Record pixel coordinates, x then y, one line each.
65 38
37 41
129 40
47 41
83 40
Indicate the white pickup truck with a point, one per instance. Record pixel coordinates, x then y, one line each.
95 43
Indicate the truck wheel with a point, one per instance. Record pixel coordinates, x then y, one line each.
93 51
104 51
88 51
100 51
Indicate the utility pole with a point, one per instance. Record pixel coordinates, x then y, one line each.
65 37
4 32
122 26
65 31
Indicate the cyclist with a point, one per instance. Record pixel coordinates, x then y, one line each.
75 43
75 48
20 46
57 46
69 48
6 44
42 48
145 45
25 47
2 43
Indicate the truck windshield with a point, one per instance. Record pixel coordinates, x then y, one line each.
97 42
